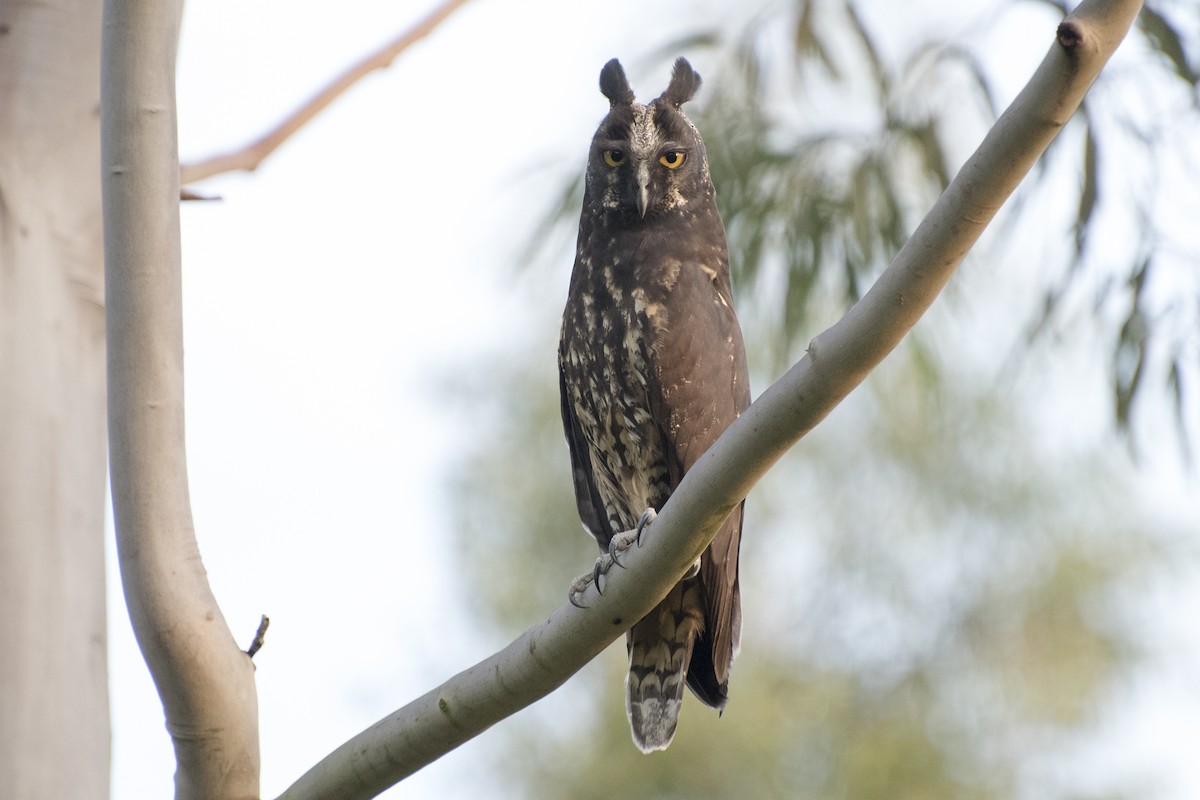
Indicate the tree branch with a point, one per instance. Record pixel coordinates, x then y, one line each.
204 679
837 360
250 156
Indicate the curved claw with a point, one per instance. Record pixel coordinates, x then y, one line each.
596 578
614 552
648 516
577 589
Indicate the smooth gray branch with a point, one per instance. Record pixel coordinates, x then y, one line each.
205 681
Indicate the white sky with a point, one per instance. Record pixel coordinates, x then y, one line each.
375 246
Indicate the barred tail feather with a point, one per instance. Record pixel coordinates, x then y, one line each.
660 647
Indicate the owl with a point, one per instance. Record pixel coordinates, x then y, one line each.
652 369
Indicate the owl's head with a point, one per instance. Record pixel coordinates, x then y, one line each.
647 160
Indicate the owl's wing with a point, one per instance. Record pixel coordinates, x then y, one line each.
703 385
587 499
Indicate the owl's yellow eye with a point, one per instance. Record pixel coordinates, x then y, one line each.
614 158
672 159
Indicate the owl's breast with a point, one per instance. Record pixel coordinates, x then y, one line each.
609 329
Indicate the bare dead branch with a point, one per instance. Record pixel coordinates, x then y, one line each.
839 359
250 156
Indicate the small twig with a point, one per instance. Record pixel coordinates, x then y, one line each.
186 194
249 157
257 644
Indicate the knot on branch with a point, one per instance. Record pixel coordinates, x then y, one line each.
1070 35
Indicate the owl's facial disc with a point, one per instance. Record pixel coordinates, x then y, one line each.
646 160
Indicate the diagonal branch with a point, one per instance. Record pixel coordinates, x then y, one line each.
250 156
839 359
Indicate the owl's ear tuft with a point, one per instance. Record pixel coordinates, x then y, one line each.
614 85
684 83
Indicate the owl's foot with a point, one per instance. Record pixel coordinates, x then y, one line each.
618 544
579 585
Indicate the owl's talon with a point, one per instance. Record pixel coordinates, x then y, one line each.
618 544
579 585
577 588
614 552
648 516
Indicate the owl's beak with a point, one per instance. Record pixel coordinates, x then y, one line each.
643 187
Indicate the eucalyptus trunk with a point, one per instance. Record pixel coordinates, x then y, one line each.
54 729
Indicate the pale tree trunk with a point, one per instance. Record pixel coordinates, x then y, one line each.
54 730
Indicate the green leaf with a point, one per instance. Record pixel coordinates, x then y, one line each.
1166 40
1089 192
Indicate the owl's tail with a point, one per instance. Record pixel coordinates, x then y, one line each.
660 648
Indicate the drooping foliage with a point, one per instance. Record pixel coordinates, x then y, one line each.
830 134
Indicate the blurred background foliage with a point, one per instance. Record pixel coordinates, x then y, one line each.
940 582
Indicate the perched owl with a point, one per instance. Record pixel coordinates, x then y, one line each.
651 370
